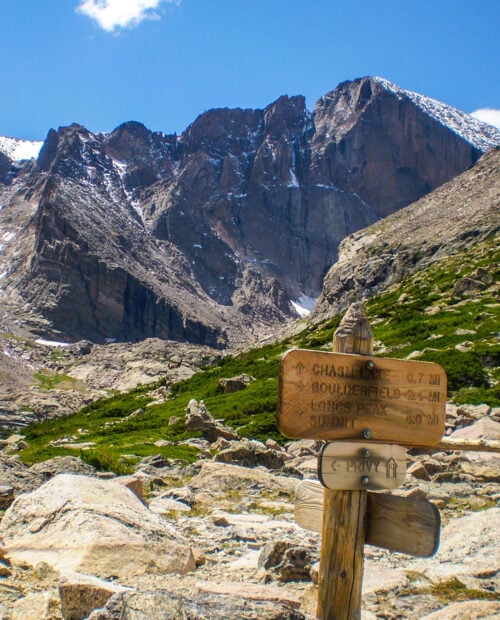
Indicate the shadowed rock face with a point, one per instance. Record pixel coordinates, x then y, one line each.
379 144
461 212
210 235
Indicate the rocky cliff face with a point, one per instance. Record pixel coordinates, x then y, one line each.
462 212
209 236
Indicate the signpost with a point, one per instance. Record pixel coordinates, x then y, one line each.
339 396
349 395
360 465
396 523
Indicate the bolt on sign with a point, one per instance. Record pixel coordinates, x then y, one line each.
345 396
357 466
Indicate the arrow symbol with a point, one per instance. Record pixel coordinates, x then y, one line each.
300 386
332 465
391 468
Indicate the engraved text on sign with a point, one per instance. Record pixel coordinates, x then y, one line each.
341 396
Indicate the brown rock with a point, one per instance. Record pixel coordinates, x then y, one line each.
38 606
198 418
133 483
418 470
467 610
81 524
81 594
251 454
235 384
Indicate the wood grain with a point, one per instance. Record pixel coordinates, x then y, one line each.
395 523
358 465
338 396
343 532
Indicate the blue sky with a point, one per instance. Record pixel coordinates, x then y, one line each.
163 62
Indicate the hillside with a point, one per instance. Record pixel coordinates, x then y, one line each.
425 317
422 294
452 220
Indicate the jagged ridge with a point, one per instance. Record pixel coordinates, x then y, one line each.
210 235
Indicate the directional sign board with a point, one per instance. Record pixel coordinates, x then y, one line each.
395 523
357 466
342 396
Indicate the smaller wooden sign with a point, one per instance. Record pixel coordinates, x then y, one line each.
342 396
395 523
357 466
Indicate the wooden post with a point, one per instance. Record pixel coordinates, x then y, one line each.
344 517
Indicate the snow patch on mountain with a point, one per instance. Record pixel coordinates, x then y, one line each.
481 135
18 150
304 305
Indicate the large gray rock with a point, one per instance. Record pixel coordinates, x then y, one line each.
467 548
80 524
161 605
251 454
467 610
198 418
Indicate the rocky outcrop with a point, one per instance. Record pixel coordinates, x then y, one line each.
446 222
164 605
211 235
198 418
81 524
252 558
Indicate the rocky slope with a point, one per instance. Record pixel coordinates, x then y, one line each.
225 528
211 235
457 216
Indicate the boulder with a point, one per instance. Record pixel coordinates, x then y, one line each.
467 548
62 465
253 591
81 594
218 478
289 562
467 610
484 428
250 454
235 384
14 473
99 527
198 418
38 606
163 605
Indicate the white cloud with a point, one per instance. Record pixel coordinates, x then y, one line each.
488 115
113 14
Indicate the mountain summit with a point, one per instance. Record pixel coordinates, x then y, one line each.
215 235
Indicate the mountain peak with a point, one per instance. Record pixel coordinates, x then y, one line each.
19 150
481 135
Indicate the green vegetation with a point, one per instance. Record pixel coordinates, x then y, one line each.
453 590
427 313
48 381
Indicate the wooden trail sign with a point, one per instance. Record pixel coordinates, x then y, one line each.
357 465
340 396
395 523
